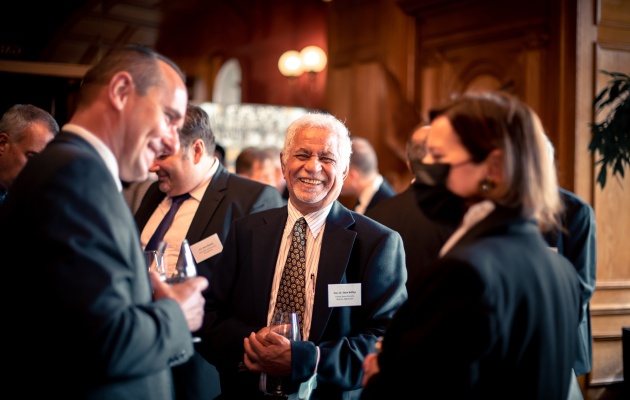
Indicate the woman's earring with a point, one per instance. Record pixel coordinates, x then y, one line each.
486 186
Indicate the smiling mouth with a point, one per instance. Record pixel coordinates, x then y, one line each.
310 181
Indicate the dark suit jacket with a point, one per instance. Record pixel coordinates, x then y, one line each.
578 243
355 249
228 197
385 191
85 314
494 318
422 237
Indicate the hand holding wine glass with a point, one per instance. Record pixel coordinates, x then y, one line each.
183 286
185 270
285 324
187 294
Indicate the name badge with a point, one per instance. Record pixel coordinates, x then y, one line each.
206 248
344 295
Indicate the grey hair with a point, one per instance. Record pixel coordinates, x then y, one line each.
320 121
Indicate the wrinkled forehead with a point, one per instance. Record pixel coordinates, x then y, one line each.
316 140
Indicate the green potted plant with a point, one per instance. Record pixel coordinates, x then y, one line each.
611 137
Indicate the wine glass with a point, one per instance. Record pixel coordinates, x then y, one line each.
155 262
185 269
284 323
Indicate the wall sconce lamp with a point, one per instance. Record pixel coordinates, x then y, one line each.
311 59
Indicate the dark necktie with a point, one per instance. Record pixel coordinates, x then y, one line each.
291 293
159 233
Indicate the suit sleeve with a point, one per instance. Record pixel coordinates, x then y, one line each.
352 331
580 246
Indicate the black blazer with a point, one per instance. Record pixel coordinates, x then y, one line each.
86 301
422 237
227 197
494 318
355 249
578 243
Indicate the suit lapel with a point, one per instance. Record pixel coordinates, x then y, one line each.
152 198
267 241
337 245
208 206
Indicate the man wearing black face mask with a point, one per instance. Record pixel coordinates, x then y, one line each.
422 236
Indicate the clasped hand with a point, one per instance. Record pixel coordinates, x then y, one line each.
370 367
187 294
268 352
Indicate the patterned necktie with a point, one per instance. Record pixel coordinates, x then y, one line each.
291 293
159 233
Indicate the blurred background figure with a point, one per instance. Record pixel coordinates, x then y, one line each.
214 198
495 316
364 181
576 240
24 132
423 237
257 164
134 191
281 184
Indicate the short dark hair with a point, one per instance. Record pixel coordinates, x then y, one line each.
197 126
139 60
245 160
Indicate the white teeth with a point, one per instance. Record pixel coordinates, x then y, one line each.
311 181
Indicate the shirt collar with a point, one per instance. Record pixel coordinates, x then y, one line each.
367 193
315 220
100 147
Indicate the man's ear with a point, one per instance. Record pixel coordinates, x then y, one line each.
4 141
120 87
199 148
346 172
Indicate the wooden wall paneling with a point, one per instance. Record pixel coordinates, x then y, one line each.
610 311
372 39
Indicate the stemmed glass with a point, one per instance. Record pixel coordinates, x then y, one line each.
286 324
185 269
155 262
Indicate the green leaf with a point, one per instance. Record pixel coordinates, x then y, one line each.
611 136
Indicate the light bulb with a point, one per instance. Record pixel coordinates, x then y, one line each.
290 63
313 59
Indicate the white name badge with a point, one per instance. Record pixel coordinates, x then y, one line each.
206 248
344 295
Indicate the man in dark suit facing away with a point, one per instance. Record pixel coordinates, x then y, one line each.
422 236
364 181
577 242
217 197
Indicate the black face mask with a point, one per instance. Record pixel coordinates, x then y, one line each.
437 202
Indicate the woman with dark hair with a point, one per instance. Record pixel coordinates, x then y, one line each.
495 315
